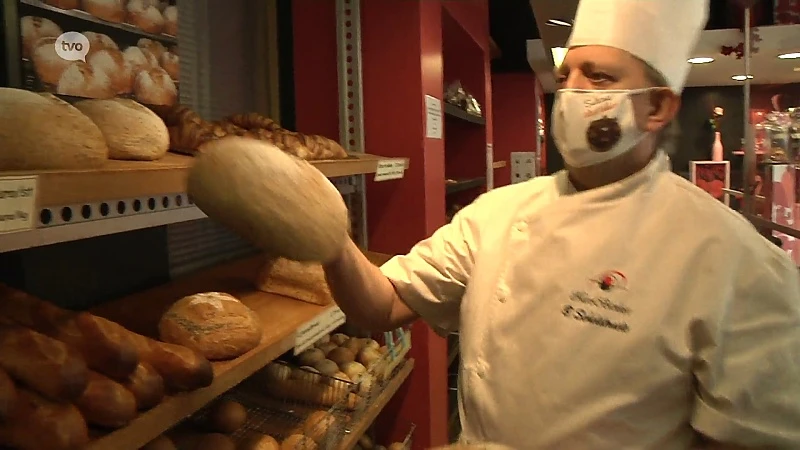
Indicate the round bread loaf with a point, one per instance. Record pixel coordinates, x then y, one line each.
34 28
139 59
214 324
171 20
170 62
48 65
108 10
82 80
280 203
145 15
40 131
112 63
154 47
132 131
99 41
155 87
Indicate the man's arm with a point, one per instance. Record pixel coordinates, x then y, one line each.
364 294
748 373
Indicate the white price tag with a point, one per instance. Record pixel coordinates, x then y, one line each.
390 169
17 203
313 330
433 115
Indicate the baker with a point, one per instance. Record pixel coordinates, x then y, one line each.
612 305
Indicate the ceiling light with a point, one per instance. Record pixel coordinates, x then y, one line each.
742 77
700 60
558 23
793 55
559 53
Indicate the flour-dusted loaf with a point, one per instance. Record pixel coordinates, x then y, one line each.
215 324
155 87
40 131
132 131
280 203
108 10
171 20
46 63
82 80
34 28
113 65
145 15
139 59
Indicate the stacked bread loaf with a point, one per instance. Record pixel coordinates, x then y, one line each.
151 16
61 372
188 132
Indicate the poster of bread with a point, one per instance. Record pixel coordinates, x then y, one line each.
101 48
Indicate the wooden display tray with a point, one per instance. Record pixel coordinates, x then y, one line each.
141 312
136 179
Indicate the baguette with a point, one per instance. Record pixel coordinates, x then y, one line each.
44 364
104 347
318 394
146 385
8 395
182 369
38 424
106 403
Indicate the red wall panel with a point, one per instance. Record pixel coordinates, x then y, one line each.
515 102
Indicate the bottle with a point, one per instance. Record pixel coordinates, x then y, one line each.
717 152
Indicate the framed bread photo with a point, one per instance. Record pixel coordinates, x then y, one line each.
713 177
95 49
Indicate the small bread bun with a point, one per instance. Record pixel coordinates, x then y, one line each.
171 20
115 67
139 60
154 47
155 87
108 10
48 65
144 14
64 4
34 28
81 80
227 416
171 63
99 41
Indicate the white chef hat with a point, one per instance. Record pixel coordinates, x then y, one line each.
663 33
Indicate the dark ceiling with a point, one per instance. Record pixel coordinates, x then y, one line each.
512 23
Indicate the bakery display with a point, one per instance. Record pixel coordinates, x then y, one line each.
281 204
294 279
131 131
214 324
40 131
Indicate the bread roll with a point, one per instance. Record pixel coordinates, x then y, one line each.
81 80
132 132
215 324
106 403
108 10
227 416
327 347
154 47
113 65
99 41
327 367
369 356
311 356
34 28
318 424
144 14
353 370
139 60
181 368
64 4
160 443
169 62
46 63
44 364
171 20
341 356
258 441
146 385
155 87
339 338
8 395
354 344
281 204
39 424
298 442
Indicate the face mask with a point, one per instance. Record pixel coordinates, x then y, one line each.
591 127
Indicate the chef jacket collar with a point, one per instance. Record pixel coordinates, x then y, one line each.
642 179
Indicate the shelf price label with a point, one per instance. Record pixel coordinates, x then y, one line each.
313 330
390 169
17 203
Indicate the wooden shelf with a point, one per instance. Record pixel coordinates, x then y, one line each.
141 312
136 179
458 113
465 185
381 400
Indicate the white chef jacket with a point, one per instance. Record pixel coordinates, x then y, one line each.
624 317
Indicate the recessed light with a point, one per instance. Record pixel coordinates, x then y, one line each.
700 60
558 23
742 77
793 55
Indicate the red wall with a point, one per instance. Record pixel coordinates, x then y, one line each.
514 103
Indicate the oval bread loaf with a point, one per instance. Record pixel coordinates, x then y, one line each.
132 131
280 203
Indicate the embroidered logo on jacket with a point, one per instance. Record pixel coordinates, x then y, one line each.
613 279
602 309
